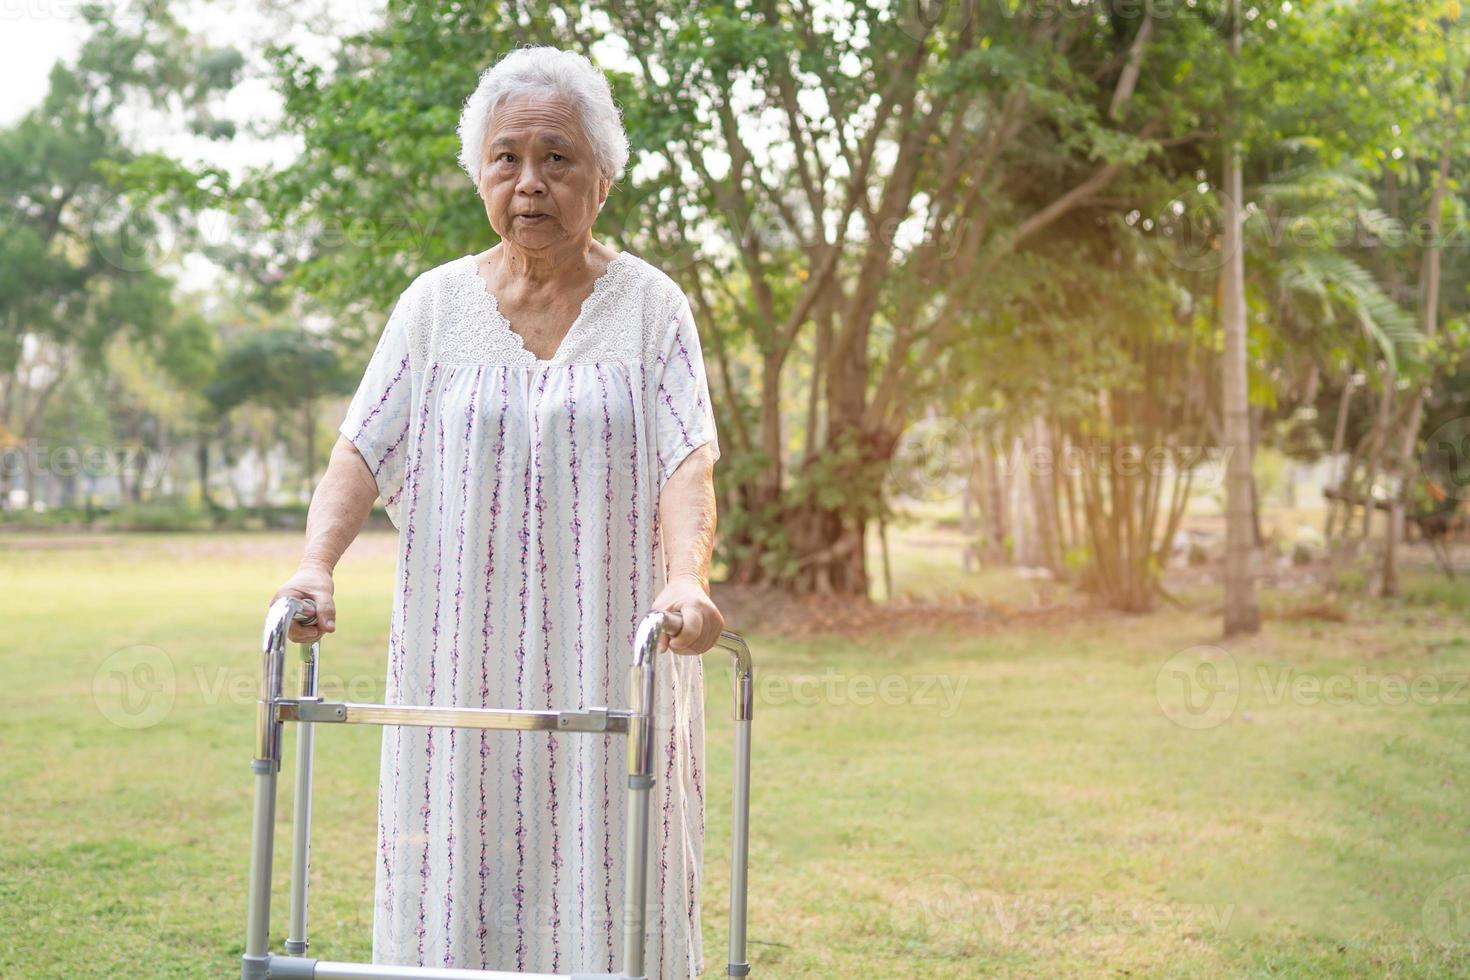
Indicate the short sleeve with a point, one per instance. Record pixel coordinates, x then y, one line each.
377 420
684 417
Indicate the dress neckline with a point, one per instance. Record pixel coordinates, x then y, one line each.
599 286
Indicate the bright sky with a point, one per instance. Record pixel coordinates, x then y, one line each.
29 43
35 34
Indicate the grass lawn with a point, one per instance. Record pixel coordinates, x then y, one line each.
1097 796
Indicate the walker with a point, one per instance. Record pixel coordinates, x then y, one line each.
309 710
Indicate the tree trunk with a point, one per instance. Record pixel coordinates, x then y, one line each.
1339 440
1258 537
969 497
1242 614
1429 325
1023 548
1047 548
1377 438
201 460
997 548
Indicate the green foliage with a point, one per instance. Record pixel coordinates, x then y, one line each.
278 368
160 515
88 225
1019 231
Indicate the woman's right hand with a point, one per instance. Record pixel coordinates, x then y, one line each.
314 582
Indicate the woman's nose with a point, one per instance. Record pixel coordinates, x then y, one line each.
530 181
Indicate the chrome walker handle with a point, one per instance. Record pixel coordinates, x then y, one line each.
306 614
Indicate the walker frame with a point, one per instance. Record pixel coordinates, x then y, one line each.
308 710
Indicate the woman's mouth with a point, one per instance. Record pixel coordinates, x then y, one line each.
532 217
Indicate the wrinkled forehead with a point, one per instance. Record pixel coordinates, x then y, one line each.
535 120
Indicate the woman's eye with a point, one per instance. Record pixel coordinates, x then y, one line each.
506 157
557 157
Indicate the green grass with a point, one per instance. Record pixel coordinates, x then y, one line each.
1015 803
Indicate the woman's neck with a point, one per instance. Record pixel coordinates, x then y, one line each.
531 269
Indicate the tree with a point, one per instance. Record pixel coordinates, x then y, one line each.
285 370
1242 614
79 260
1429 312
918 158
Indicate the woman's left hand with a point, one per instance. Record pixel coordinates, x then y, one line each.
685 595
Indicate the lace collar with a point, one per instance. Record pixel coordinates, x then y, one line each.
470 339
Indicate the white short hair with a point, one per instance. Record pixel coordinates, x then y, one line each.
547 71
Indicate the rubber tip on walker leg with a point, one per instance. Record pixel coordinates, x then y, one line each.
737 970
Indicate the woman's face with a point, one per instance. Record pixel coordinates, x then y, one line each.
538 178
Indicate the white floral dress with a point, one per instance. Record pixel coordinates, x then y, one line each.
525 492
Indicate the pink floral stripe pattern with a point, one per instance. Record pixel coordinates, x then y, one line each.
525 494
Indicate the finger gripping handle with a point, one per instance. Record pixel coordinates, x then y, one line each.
306 615
672 622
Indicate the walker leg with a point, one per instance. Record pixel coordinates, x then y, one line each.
740 803
739 849
640 784
296 940
256 962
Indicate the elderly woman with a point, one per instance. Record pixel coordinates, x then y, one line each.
536 420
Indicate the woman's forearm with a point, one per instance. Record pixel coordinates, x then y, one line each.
339 506
687 518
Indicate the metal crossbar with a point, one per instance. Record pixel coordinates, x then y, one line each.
308 710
